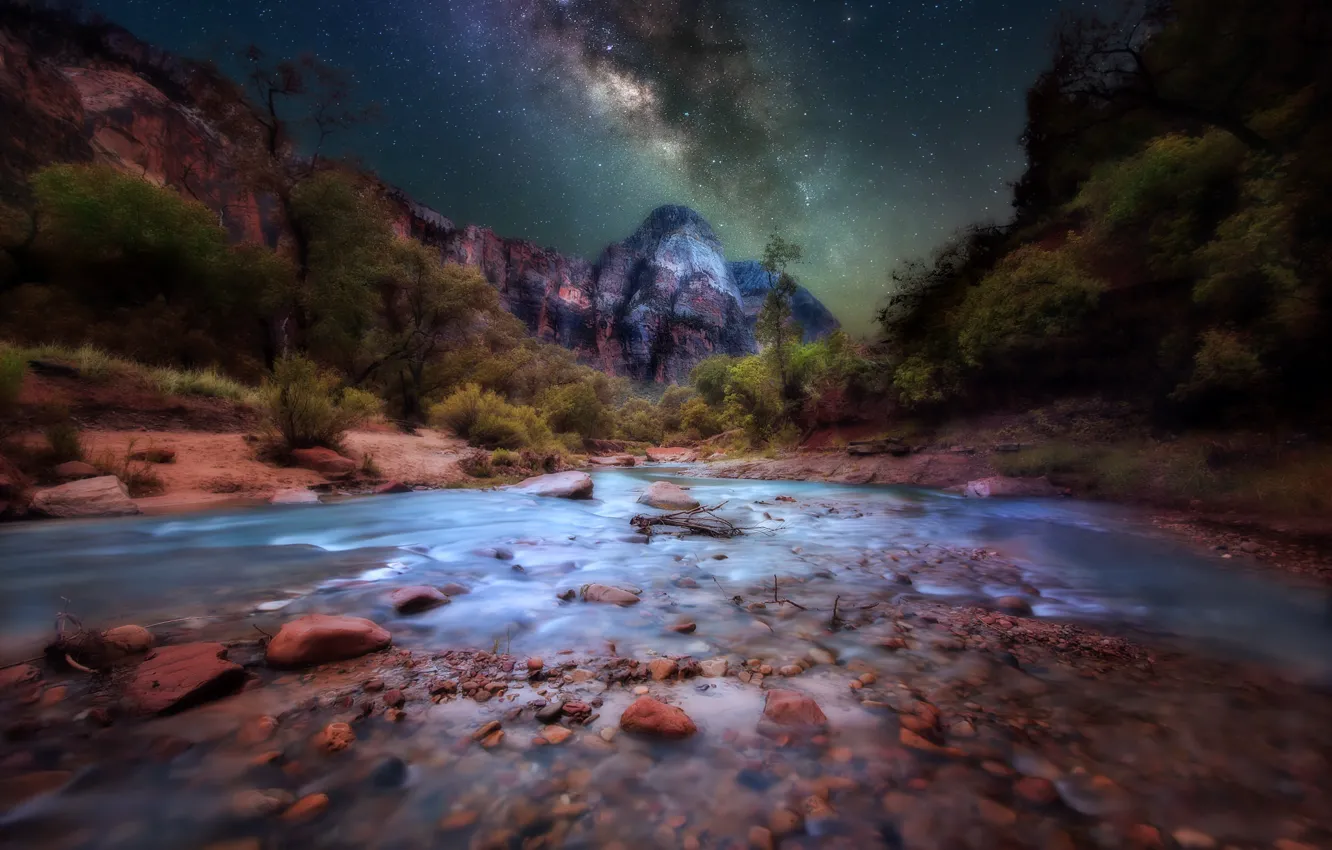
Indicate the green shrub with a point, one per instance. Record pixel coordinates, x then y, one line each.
1049 459
637 419
571 443
506 459
208 383
63 442
304 407
485 419
13 368
139 476
699 420
576 408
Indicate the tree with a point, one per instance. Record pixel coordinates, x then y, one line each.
294 104
773 328
425 307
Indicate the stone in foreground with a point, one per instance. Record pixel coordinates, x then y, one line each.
668 497
75 470
321 638
792 708
91 497
647 716
174 678
561 485
413 600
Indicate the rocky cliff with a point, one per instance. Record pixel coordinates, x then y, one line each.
649 308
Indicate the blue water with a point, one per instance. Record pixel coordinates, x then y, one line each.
1088 561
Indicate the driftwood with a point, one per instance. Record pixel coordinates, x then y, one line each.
701 520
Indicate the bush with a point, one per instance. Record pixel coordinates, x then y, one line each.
485 419
576 408
505 459
208 383
637 420
13 368
304 408
63 442
699 420
139 476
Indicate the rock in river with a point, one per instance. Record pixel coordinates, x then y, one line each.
563 485
91 497
668 497
177 677
413 600
320 638
611 595
647 716
998 485
792 708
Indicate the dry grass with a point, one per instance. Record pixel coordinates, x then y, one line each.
95 364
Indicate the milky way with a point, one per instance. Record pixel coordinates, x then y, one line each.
867 131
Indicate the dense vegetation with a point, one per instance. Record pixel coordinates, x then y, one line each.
1171 241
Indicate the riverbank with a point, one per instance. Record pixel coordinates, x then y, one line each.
881 671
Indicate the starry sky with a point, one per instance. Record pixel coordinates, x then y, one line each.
866 130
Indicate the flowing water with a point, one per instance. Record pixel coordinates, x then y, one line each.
846 557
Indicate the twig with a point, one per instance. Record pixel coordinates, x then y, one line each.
835 622
262 632
700 520
24 661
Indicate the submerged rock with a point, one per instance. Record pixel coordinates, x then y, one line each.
792 708
998 485
128 640
91 497
321 638
418 598
562 485
647 716
174 678
668 497
607 594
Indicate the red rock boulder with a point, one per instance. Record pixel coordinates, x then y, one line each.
174 678
321 638
326 462
792 708
647 716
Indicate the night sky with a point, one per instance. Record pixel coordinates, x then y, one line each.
866 131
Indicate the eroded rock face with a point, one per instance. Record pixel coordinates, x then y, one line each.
668 497
562 485
91 497
649 308
174 678
321 638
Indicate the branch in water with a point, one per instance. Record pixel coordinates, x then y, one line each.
700 520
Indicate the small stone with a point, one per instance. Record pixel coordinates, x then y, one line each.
608 733
820 655
1035 790
335 738
257 731
535 665
19 674
792 708
418 598
393 698
1013 605
995 814
713 668
373 686
306 808
783 822
493 740
609 595
1145 837
254 803
458 820
129 640
1193 839
760 838
321 638
791 670
647 716
662 669
683 628
486 730
640 690
556 734
961 729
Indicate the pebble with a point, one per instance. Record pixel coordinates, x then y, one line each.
783 822
534 665
486 730
1144 837
684 628
306 808
790 670
556 734
458 820
713 668
335 738
254 803
393 698
760 838
1036 790
662 668
995 814
1193 839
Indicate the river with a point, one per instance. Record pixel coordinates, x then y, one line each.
854 563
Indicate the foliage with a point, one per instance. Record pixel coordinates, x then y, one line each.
13 368
637 419
305 407
505 459
577 408
710 376
139 476
208 383
486 419
63 442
